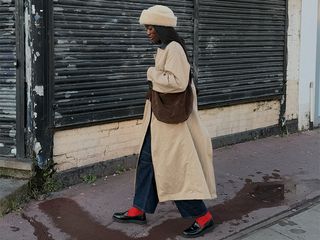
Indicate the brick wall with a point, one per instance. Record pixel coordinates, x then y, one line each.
240 118
83 146
88 145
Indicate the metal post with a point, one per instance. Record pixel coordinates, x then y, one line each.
39 107
20 87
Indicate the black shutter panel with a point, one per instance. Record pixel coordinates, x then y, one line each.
241 50
101 55
7 79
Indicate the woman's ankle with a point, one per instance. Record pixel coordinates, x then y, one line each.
132 212
204 219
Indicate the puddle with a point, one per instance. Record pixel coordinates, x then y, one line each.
284 223
297 231
68 216
273 177
251 197
14 229
40 230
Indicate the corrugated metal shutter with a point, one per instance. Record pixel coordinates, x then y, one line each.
7 79
241 50
101 55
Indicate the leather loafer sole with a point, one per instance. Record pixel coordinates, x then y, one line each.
141 222
124 218
205 230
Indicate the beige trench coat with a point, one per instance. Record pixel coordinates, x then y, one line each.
181 153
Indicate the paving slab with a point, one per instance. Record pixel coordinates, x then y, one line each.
10 190
267 234
316 208
7 186
304 226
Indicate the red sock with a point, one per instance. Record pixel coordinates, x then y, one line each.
132 212
204 219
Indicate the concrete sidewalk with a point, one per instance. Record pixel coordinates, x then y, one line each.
256 181
304 224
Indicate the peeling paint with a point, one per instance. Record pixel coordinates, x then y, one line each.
37 17
14 151
63 41
69 93
12 133
72 66
37 148
39 90
57 115
58 9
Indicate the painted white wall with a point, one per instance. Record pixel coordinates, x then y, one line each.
317 105
307 62
293 59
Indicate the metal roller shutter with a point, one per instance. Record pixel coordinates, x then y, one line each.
241 50
101 55
7 79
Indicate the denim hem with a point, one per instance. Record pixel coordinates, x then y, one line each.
197 216
201 215
144 210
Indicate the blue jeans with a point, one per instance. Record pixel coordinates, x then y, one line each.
146 196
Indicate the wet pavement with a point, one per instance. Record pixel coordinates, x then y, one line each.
255 181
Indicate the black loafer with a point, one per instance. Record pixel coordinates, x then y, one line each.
195 230
123 217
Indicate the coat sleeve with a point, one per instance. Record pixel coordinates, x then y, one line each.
175 75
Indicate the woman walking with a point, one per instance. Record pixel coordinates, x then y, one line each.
175 161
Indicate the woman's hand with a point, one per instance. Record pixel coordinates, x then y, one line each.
149 72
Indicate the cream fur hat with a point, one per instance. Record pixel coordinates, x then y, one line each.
158 15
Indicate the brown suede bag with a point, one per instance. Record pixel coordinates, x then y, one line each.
172 108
